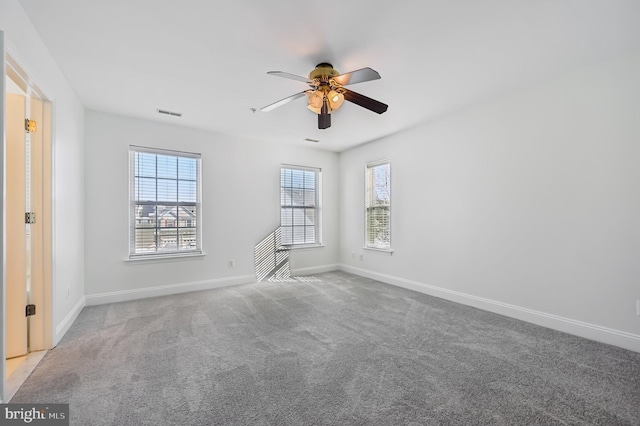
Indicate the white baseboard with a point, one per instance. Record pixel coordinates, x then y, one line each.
314 270
165 290
66 323
578 328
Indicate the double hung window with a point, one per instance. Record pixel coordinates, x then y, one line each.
164 216
299 205
378 206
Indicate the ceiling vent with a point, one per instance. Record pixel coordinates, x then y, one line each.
164 111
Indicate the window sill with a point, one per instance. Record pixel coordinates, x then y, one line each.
379 250
303 246
164 257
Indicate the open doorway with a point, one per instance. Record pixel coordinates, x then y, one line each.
28 225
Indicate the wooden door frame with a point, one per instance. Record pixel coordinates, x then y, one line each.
43 339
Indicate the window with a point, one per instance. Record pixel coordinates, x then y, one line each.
377 206
299 205
164 202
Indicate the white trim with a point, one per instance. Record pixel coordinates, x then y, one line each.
375 163
595 332
379 250
66 323
315 270
292 247
163 257
165 290
305 168
164 151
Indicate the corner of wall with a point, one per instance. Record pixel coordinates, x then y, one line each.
68 321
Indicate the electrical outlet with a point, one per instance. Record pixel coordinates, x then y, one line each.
231 263
362 257
68 292
638 308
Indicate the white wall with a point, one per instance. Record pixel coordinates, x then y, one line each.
240 196
528 205
24 44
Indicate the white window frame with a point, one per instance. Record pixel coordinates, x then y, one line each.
317 207
159 250
369 243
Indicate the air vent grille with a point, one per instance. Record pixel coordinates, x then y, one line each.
164 111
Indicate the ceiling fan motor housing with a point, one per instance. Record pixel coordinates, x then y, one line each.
323 72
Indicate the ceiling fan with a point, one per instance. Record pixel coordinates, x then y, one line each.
327 92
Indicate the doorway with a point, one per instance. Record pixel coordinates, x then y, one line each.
27 215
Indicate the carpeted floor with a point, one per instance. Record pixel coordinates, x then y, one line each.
337 349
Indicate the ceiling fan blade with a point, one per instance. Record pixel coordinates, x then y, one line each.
357 76
365 102
324 118
287 75
283 102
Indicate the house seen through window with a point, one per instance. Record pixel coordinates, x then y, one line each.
165 202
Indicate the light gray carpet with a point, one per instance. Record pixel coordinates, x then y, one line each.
343 350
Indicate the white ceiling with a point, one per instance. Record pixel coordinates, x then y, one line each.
209 59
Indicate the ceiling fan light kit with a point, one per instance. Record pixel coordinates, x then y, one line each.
327 93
